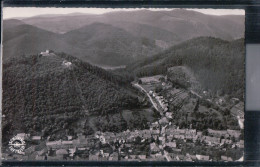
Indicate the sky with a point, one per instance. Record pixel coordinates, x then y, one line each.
15 12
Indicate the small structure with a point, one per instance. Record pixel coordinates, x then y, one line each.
163 120
36 138
211 140
39 158
168 115
154 148
46 53
53 144
234 100
66 63
29 150
179 137
226 141
67 142
220 101
171 144
142 157
62 153
93 157
241 144
114 157
23 135
202 157
218 133
42 152
234 133
102 139
225 158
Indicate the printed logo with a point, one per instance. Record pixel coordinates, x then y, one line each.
17 145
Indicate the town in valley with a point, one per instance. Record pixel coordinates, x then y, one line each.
123 84
163 140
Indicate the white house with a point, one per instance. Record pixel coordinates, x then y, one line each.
46 53
202 157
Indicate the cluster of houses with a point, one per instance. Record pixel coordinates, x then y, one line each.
167 136
163 103
214 137
176 97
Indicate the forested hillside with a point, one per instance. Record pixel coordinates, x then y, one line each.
25 39
106 44
45 94
217 64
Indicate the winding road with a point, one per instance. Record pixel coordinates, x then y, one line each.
151 99
165 153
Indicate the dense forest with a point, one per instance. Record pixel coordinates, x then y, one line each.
218 64
41 94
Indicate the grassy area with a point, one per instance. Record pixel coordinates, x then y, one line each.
150 87
154 78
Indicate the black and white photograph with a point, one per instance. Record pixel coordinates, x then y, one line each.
123 84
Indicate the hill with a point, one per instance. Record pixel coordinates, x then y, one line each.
11 23
27 39
183 76
217 64
156 33
97 43
106 44
47 94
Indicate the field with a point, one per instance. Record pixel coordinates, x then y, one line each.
152 79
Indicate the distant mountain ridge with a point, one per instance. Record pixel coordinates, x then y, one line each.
186 24
115 38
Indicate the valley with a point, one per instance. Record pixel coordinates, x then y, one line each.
163 124
124 86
